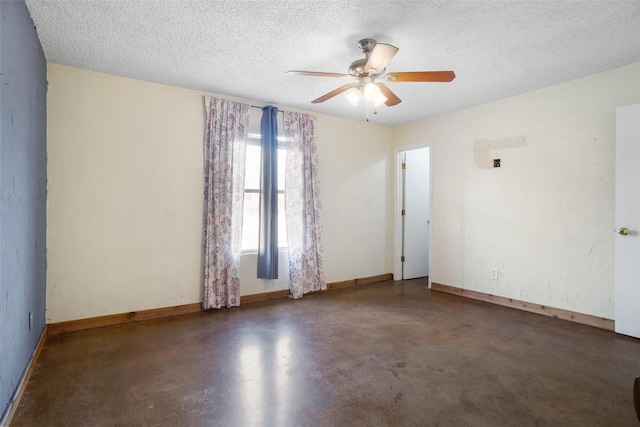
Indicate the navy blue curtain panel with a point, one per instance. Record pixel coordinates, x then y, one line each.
268 245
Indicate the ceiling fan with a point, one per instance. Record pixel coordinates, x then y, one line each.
370 71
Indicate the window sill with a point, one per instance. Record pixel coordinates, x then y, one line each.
255 251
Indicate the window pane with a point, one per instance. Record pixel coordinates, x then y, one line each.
250 221
251 215
252 170
282 223
282 157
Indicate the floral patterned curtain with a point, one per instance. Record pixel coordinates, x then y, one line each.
302 206
224 163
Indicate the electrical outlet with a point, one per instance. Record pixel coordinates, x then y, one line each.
30 320
494 274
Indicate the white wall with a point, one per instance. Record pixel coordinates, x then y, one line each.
124 220
545 218
356 184
125 195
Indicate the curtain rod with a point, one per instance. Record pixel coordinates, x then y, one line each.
255 106
279 110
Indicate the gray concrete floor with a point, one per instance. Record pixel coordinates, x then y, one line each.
392 353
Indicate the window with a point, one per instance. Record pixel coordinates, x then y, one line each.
251 215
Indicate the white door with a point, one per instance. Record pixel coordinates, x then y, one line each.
627 221
416 214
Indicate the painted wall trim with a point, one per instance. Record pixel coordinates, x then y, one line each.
157 313
585 319
15 401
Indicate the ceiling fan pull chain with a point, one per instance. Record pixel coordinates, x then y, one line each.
366 103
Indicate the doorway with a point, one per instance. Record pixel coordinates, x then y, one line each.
412 213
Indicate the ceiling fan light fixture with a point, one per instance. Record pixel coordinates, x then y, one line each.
353 96
371 91
370 72
379 99
373 94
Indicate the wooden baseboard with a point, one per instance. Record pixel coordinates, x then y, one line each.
585 319
15 401
264 296
157 313
360 281
122 318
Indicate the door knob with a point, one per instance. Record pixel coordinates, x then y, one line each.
623 230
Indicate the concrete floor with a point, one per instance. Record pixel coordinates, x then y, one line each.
382 354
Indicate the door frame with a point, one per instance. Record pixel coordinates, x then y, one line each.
397 206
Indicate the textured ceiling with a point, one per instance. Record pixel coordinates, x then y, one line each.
243 48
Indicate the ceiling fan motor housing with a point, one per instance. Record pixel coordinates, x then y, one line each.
367 45
356 68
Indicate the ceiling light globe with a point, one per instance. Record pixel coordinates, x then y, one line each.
353 96
371 91
379 99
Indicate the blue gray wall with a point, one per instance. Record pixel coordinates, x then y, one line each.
23 184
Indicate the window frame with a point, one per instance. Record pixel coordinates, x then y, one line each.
253 139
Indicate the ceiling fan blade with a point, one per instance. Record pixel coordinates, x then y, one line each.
392 98
333 93
317 74
379 58
421 76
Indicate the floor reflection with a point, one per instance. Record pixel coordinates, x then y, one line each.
265 366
